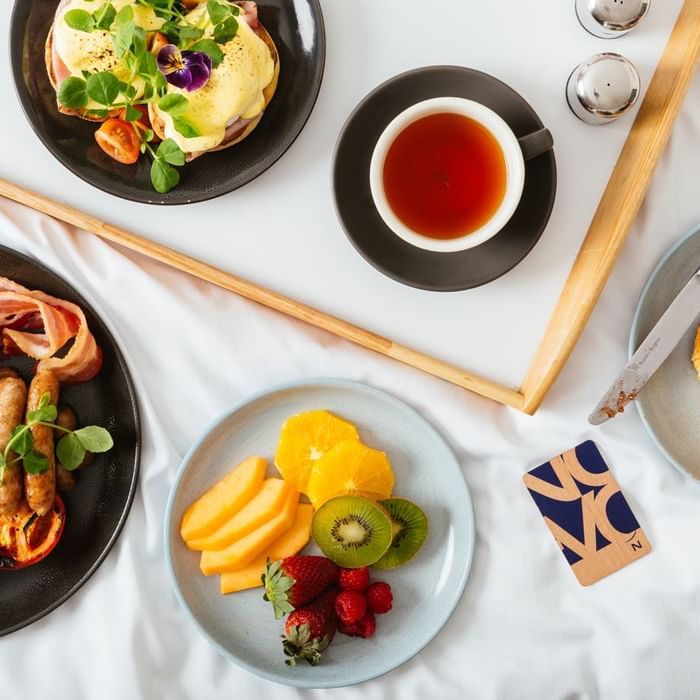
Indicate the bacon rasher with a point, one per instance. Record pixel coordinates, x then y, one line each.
38 325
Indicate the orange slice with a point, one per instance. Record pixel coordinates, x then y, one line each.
350 467
304 439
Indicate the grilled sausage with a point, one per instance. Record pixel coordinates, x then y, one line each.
8 372
13 397
40 489
66 418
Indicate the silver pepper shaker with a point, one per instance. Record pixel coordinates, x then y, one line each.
603 88
609 19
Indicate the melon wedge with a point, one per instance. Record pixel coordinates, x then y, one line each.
242 552
223 500
291 542
260 509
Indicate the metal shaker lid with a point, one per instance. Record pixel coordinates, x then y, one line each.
607 85
618 15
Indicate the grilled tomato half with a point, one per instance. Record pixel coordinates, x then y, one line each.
26 538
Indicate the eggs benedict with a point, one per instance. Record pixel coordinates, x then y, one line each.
217 64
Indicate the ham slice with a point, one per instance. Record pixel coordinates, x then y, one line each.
39 325
249 12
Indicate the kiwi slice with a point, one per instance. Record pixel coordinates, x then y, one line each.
352 531
410 528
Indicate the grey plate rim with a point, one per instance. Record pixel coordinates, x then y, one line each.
631 346
299 384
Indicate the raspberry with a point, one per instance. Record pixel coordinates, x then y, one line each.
353 579
379 597
364 627
350 606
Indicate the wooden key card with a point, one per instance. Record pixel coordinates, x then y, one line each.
587 513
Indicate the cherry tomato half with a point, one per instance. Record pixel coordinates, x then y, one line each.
26 538
118 139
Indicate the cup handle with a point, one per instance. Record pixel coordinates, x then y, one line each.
536 143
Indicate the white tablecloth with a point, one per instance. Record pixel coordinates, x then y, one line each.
524 628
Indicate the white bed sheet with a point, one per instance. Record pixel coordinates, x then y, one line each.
524 628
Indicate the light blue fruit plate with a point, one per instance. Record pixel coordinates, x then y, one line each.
426 590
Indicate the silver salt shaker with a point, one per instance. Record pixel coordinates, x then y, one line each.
603 88
609 19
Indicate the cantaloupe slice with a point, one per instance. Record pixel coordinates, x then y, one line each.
260 509
224 499
288 544
242 552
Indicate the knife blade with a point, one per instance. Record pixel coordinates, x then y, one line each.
655 348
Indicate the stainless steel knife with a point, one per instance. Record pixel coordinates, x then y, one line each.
657 346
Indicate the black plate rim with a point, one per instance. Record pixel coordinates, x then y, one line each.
402 279
5 250
26 102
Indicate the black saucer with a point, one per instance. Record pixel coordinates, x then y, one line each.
440 272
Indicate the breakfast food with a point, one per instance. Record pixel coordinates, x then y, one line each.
352 531
40 443
288 544
196 76
410 528
248 547
251 531
310 629
224 500
259 510
304 439
696 353
294 581
38 325
350 467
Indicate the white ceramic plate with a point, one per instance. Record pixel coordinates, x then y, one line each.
670 402
426 591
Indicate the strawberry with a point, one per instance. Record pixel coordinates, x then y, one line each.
350 606
353 579
364 627
310 629
379 597
296 580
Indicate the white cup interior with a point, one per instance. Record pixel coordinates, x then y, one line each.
512 153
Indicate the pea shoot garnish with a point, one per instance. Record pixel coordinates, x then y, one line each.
70 449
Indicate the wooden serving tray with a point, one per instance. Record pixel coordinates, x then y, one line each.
598 253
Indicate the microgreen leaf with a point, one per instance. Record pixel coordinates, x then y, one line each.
44 399
147 136
103 87
35 463
104 16
147 64
3 465
100 113
189 33
186 128
72 93
45 414
79 19
211 48
94 438
171 153
125 15
20 441
175 105
124 37
132 114
163 176
217 11
226 30
70 451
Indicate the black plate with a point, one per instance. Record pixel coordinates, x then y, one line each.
72 141
97 507
440 272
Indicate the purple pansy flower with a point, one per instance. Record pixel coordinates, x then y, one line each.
188 70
